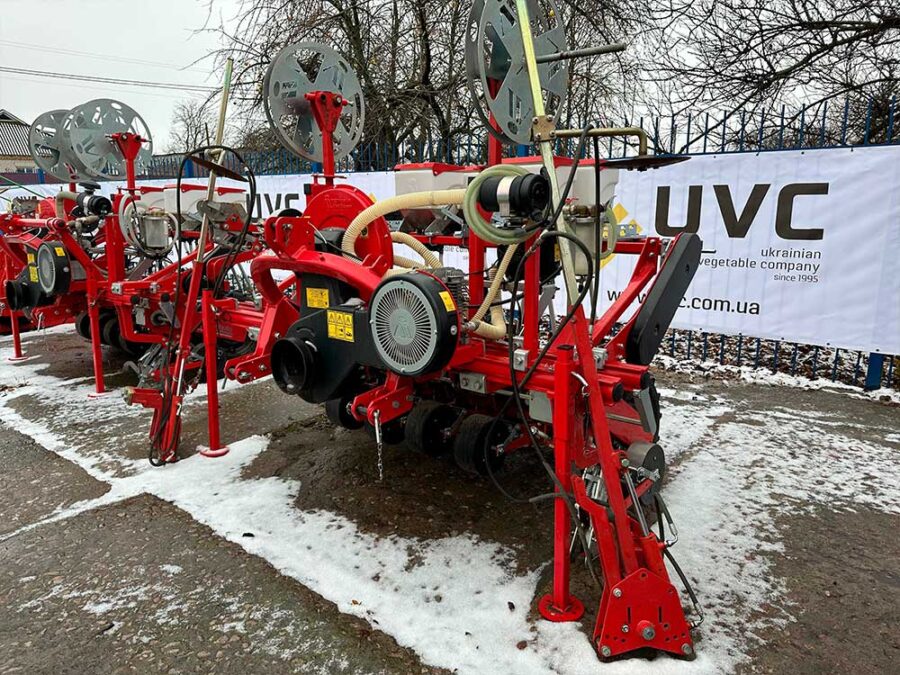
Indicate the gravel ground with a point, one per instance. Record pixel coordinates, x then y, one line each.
138 584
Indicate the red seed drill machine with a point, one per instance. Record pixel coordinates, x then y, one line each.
118 268
470 359
57 253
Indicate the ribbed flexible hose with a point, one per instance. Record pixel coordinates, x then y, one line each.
496 282
495 329
382 207
61 196
427 254
476 222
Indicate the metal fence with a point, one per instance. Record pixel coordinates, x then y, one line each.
825 126
709 350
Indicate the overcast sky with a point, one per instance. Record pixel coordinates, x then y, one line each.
110 36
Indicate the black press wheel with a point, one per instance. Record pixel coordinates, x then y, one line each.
110 335
475 444
427 425
83 325
339 415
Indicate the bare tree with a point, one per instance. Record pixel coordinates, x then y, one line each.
193 122
759 54
730 57
408 55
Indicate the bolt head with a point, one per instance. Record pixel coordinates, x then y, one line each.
648 633
624 627
605 651
617 592
686 649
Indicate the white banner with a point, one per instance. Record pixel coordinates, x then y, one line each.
800 246
273 192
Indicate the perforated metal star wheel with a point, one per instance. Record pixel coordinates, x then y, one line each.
297 70
91 126
496 70
51 147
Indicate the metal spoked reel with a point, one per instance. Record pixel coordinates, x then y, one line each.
90 127
297 70
51 147
495 65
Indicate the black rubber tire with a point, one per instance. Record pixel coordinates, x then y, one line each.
83 326
470 447
109 330
426 425
336 410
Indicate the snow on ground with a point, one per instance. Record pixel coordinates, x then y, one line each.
449 599
766 376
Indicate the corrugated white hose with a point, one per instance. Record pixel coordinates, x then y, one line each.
495 329
413 200
60 206
431 260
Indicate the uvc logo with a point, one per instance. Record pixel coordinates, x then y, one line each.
738 224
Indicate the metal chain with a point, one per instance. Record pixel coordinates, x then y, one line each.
379 444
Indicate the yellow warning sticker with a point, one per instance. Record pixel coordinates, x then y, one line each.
59 250
340 325
32 273
31 258
449 305
317 297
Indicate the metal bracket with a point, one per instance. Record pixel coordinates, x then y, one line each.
219 212
520 359
543 130
644 406
539 407
474 382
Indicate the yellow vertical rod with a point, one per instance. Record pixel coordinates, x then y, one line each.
546 145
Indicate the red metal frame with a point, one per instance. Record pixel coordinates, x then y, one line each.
639 606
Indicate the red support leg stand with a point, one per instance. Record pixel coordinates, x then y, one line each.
96 350
215 448
560 605
17 338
